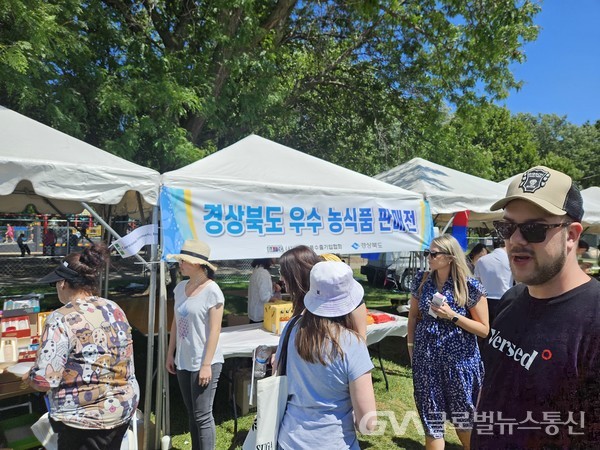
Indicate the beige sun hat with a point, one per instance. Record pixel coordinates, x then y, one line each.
194 252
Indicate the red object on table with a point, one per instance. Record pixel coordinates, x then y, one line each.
381 317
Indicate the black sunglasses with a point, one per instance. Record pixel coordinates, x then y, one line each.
532 232
433 255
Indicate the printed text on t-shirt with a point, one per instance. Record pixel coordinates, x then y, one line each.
511 350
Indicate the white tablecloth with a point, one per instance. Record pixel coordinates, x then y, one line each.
241 340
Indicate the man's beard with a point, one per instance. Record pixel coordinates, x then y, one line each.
543 272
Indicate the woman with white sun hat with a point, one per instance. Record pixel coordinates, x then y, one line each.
328 366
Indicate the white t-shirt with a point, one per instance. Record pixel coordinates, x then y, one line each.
260 291
191 314
493 270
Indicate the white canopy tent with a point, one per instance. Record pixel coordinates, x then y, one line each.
59 174
448 191
43 167
259 173
274 185
591 207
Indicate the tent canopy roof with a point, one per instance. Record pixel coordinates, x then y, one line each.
256 164
36 160
591 208
447 190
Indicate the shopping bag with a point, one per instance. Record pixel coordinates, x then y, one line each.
44 433
271 401
130 439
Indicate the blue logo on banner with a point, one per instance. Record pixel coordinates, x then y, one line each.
355 246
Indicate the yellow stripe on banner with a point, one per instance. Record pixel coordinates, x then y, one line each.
187 198
424 224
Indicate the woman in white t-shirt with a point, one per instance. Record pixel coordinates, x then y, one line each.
261 289
194 354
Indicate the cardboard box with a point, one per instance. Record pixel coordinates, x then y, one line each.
242 390
275 313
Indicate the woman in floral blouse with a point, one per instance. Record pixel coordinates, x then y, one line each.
85 359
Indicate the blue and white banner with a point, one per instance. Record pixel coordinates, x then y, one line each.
244 226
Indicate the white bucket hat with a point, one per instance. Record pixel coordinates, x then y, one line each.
333 290
195 252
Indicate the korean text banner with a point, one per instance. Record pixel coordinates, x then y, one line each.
244 226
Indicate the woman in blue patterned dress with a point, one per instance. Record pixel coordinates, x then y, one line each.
447 368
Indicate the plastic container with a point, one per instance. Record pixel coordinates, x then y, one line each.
437 300
261 359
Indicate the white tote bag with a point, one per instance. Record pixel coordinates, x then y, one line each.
271 400
44 433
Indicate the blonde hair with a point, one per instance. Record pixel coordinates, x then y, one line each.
459 270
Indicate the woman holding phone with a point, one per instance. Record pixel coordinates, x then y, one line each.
448 309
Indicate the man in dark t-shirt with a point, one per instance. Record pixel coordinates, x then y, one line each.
542 357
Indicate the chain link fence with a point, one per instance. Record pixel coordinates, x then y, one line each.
19 275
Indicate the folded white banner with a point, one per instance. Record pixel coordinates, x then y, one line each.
131 243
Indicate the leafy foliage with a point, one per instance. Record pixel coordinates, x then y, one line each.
364 84
164 83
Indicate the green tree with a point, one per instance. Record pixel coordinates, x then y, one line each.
163 83
496 139
564 146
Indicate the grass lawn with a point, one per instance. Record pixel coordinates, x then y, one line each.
399 398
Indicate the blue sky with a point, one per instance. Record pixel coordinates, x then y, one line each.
562 72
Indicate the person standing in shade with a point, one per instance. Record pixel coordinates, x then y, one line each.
261 289
85 358
83 230
22 245
447 367
49 242
194 354
73 240
493 270
328 366
542 385
478 251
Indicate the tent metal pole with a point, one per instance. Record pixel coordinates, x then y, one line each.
150 339
161 377
449 223
107 271
111 231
